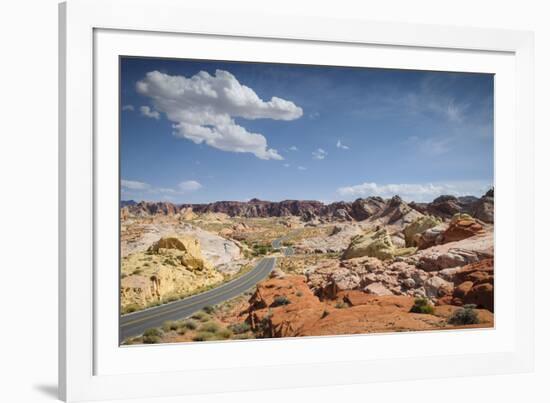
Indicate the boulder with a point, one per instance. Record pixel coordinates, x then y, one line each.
462 226
417 227
375 244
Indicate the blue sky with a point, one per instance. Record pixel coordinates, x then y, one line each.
202 131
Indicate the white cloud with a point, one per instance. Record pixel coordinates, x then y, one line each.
128 108
342 146
319 154
189 186
420 192
301 168
293 148
134 185
286 165
150 113
203 108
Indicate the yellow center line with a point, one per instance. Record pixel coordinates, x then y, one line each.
255 277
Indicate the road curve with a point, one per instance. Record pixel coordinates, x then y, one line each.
135 323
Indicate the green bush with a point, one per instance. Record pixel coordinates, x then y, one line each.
189 324
211 327
130 308
201 316
239 328
464 316
224 334
152 335
170 325
209 309
280 300
203 336
422 305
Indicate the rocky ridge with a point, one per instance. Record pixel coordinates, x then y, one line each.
361 209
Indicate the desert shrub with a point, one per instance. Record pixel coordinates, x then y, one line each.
239 328
264 325
170 298
170 325
152 335
137 271
325 314
182 330
211 327
464 316
189 324
280 300
243 336
224 334
130 308
203 336
422 305
201 316
209 309
299 294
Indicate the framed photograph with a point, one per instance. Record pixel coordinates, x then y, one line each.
246 209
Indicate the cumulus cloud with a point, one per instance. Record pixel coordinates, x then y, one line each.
319 154
420 192
134 185
148 112
129 108
203 108
189 186
341 146
301 168
293 148
286 165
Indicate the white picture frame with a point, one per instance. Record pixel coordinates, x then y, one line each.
92 366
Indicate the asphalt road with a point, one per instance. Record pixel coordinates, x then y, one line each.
277 244
135 323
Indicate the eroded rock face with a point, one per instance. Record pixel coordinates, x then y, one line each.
473 284
171 267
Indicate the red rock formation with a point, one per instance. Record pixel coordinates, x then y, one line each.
474 284
303 314
461 227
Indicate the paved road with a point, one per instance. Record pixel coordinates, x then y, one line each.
134 324
277 244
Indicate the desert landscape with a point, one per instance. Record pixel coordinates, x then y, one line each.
271 200
304 268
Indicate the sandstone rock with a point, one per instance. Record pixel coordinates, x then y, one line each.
187 214
417 227
190 256
462 226
454 254
474 285
171 267
375 244
377 289
436 287
306 315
